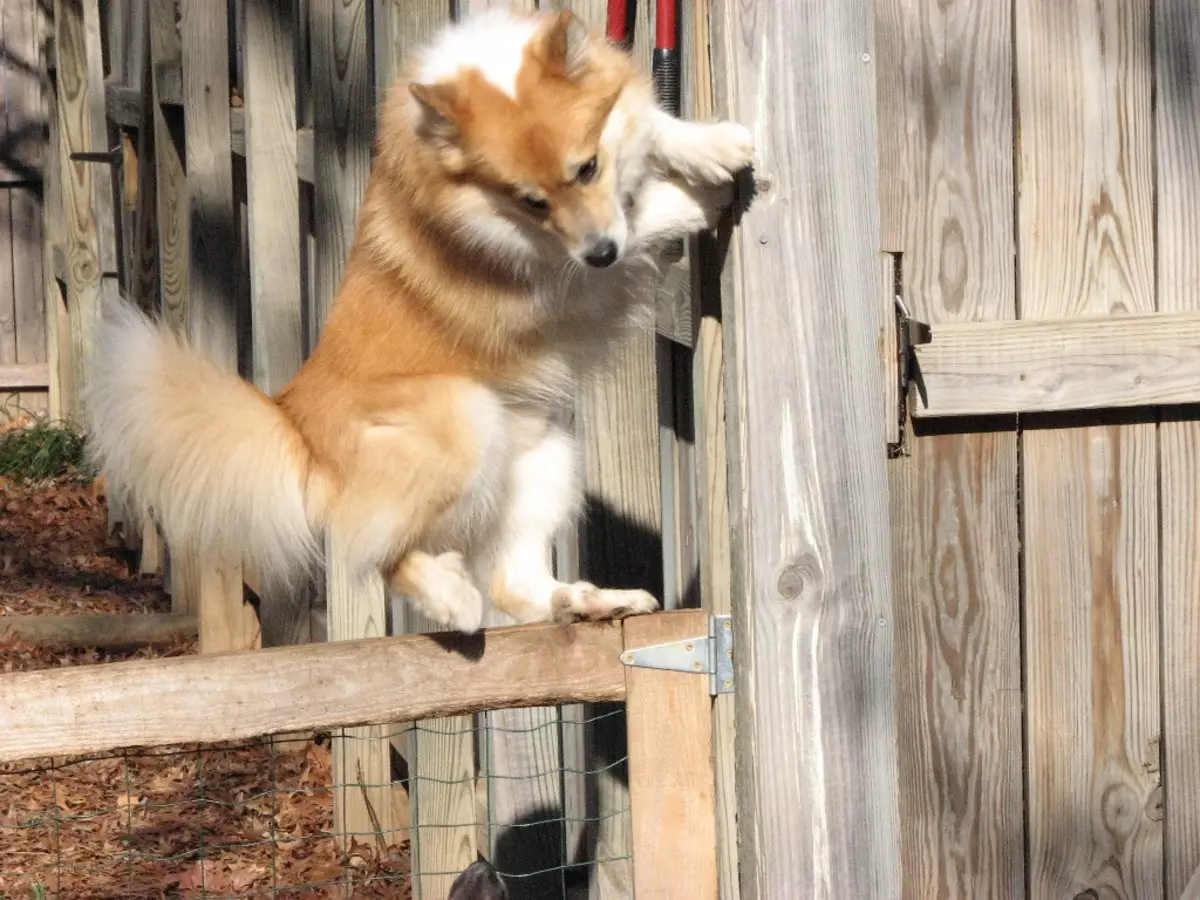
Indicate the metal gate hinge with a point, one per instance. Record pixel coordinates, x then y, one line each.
710 655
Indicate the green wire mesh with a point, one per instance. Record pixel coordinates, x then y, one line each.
256 818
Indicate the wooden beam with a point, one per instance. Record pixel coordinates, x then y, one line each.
1177 208
812 594
954 498
304 144
104 631
362 796
708 410
226 622
146 703
25 377
343 129
1096 362
673 804
273 207
1093 623
89 223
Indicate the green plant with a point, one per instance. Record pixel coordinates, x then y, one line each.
43 450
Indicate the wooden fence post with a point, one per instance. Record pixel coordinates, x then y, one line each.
86 186
673 814
273 209
808 483
226 621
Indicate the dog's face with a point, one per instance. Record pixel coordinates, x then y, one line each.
543 152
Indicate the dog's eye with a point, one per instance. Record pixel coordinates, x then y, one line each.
588 170
536 204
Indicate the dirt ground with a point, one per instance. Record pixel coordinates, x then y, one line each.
183 822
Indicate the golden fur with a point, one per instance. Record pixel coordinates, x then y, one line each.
421 429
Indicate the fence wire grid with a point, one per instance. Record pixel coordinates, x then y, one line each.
256 818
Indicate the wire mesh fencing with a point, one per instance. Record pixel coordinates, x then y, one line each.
523 788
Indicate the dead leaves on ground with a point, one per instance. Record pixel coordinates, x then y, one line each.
232 821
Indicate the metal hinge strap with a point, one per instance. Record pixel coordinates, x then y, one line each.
710 655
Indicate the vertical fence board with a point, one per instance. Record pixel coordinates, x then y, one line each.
1177 45
442 765
212 299
364 807
171 179
1091 545
22 93
946 164
621 534
674 805
86 187
343 127
808 492
273 209
708 405
58 329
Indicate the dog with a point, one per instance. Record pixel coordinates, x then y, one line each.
524 187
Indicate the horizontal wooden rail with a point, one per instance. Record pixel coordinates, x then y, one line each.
25 377
92 709
105 631
993 368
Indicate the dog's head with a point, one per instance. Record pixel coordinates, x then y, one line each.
520 110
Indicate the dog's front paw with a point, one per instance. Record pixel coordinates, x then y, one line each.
585 601
725 149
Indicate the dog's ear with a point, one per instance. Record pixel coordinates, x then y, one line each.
439 103
478 881
441 111
562 45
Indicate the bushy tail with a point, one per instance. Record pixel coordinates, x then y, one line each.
213 459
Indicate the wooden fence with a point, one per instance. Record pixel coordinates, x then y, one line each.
24 375
988 636
241 135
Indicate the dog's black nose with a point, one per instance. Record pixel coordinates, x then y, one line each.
602 254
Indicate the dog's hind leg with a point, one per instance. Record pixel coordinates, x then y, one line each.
544 495
424 487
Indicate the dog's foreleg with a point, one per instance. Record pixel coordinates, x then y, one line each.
701 153
667 211
545 496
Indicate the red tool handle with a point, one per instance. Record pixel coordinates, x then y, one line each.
618 21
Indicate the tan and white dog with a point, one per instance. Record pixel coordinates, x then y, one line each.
524 186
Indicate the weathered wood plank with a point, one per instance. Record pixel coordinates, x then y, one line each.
708 405
1098 362
102 630
673 804
343 128
442 762
362 773
58 331
1086 247
808 487
25 377
86 187
621 533
955 564
171 181
340 683
273 207
1177 47
212 313
304 144
24 142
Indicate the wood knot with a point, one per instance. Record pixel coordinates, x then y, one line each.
795 577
